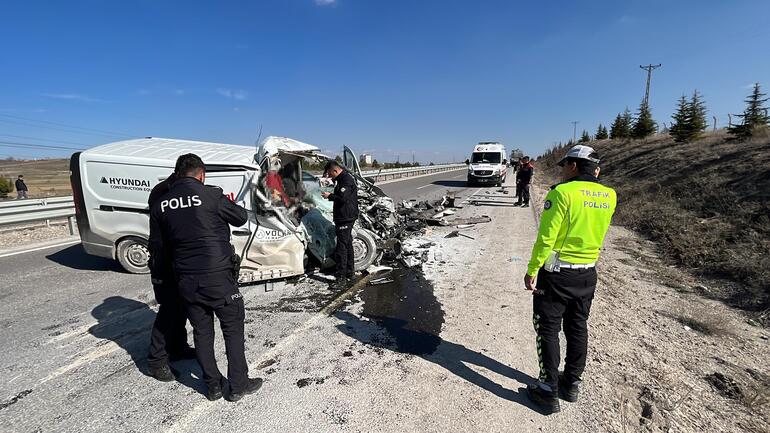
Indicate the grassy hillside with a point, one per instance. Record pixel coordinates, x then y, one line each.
707 204
44 178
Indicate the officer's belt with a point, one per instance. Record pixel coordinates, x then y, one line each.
565 265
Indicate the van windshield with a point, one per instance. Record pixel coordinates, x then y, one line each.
489 157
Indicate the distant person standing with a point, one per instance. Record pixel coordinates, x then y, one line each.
21 188
576 216
523 180
345 198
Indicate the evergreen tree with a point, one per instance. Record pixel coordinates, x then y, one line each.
615 128
601 133
584 137
644 126
754 116
680 126
697 114
621 127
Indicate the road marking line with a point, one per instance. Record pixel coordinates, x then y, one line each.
424 186
41 248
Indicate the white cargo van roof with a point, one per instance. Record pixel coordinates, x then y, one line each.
169 149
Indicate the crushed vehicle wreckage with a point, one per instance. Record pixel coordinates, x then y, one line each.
290 228
298 210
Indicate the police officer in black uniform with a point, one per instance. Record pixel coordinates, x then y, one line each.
168 339
192 220
345 198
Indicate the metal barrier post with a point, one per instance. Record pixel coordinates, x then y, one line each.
71 225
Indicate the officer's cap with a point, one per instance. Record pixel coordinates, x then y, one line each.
581 152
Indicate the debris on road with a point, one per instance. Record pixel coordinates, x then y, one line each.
456 233
378 281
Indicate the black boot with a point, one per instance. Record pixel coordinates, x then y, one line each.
341 283
568 391
548 401
251 388
162 373
214 392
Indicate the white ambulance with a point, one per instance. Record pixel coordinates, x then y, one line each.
487 164
111 184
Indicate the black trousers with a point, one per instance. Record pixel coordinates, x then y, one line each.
343 251
567 296
169 335
522 192
206 296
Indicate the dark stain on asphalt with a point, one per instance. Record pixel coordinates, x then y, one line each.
407 309
309 381
15 398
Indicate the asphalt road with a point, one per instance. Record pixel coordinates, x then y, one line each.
427 187
75 330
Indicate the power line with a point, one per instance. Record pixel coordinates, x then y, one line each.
35 146
649 68
55 129
40 139
125 134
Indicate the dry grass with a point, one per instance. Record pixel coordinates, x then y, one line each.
44 178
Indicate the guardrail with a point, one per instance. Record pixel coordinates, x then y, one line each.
398 173
47 209
33 210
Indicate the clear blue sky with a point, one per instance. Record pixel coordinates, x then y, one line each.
391 77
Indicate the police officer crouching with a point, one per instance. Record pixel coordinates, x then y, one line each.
345 213
192 220
575 219
168 339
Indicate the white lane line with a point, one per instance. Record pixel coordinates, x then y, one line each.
424 186
40 248
455 177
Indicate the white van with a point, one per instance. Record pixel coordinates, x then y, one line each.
111 185
487 164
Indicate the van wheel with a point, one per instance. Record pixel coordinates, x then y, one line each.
364 249
133 255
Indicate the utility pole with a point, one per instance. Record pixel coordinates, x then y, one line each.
649 68
574 130
413 157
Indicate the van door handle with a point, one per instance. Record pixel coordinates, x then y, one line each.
244 232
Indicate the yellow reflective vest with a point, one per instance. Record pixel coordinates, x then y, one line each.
576 216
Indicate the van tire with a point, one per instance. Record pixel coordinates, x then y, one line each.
133 255
364 249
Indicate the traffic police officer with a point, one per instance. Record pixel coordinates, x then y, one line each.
192 220
168 339
345 213
575 219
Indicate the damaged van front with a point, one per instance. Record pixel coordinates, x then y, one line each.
294 224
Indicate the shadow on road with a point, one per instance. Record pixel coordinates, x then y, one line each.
451 356
451 183
127 323
75 257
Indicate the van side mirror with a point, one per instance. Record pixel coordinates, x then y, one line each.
467 161
370 179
